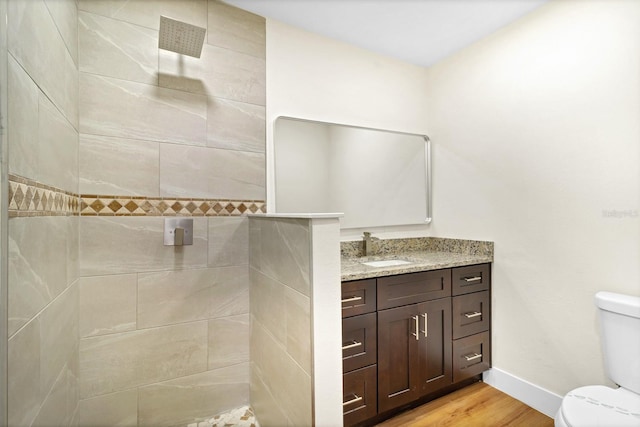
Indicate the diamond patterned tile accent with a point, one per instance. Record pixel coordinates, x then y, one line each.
31 198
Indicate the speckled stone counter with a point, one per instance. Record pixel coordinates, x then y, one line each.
425 253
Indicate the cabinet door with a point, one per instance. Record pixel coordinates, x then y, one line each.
435 345
398 368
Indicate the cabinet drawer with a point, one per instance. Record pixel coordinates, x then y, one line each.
359 337
396 291
471 356
358 297
359 395
471 314
469 279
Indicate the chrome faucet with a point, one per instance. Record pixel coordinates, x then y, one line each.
367 243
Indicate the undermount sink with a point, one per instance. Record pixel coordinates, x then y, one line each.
387 263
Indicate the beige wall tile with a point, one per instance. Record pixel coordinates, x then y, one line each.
115 409
117 245
107 304
287 382
73 248
43 54
59 336
37 265
230 291
127 109
228 341
297 393
114 48
267 411
57 148
23 113
235 125
120 361
147 13
211 173
267 304
285 248
119 166
24 397
236 29
255 246
170 297
298 326
228 241
218 72
55 407
193 398
65 16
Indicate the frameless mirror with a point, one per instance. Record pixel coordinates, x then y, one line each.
375 177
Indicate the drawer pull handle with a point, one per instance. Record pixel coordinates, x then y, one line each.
353 344
473 357
351 299
472 279
425 315
472 315
416 318
355 399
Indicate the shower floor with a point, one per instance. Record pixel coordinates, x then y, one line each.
241 417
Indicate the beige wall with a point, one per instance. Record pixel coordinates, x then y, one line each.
43 251
280 290
536 134
313 77
106 325
535 138
164 331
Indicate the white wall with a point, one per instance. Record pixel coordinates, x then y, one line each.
314 77
536 136
536 143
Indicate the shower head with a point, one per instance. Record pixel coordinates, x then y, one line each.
180 37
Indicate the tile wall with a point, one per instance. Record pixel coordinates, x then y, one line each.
106 136
164 331
42 122
281 360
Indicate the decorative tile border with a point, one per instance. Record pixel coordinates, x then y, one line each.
31 198
145 206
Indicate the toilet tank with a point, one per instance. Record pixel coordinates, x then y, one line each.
620 323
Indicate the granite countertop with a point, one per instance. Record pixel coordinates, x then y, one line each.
424 253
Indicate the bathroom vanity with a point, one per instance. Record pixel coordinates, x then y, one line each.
416 324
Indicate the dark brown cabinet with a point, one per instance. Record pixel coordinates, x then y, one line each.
359 351
414 352
410 335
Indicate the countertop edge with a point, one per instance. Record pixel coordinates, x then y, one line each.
365 272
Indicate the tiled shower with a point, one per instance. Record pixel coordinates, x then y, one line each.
106 136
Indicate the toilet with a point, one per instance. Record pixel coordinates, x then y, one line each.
598 405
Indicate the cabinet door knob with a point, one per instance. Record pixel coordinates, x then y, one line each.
353 344
425 315
473 356
351 299
472 315
416 318
355 399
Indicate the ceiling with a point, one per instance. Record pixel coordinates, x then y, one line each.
421 32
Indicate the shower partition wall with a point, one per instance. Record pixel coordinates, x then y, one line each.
3 212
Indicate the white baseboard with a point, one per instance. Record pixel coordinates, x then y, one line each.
535 396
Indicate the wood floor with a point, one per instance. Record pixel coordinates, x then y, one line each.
477 405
